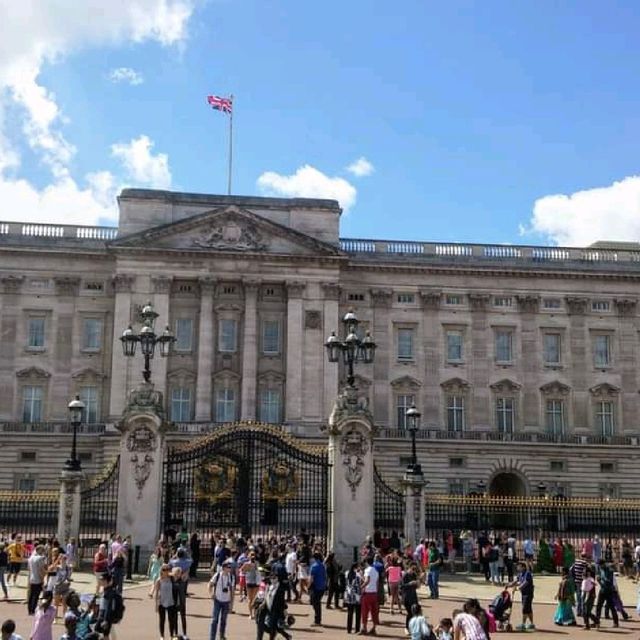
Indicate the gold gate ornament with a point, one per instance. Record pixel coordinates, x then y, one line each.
215 481
280 483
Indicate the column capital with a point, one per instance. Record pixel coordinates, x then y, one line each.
626 306
123 282
161 284
577 304
331 290
528 303
479 300
381 297
207 285
431 298
11 283
67 285
295 288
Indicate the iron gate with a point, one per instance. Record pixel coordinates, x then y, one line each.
99 506
389 507
247 478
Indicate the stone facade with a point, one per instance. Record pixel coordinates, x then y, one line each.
522 360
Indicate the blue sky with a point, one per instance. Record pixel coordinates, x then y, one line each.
505 122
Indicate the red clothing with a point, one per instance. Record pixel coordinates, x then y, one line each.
369 604
100 563
558 556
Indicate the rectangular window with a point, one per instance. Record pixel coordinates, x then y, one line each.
85 456
454 346
180 404
270 406
602 350
607 467
406 298
605 420
559 466
551 303
504 344
28 456
184 334
227 335
32 404
600 305
455 413
26 484
403 403
456 487
505 414
355 297
551 348
452 298
503 301
92 334
35 338
405 344
91 413
456 462
270 337
225 405
554 412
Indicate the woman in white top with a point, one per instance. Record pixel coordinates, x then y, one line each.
418 625
163 595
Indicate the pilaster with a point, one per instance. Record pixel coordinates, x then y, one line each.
414 486
479 361
293 403
528 307
381 299
249 351
626 361
331 321
69 507
577 352
161 292
204 389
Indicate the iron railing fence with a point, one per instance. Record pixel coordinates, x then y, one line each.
32 514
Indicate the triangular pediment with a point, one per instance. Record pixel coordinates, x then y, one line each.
33 372
505 386
406 382
229 230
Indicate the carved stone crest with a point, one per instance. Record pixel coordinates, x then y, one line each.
141 440
141 470
354 448
312 320
215 480
280 482
233 235
145 399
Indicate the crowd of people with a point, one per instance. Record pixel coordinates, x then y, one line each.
266 574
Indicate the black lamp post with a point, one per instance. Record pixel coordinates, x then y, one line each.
76 407
542 489
482 487
353 349
148 340
413 424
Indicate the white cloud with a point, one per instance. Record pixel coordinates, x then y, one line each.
361 167
140 163
583 217
308 182
35 32
126 75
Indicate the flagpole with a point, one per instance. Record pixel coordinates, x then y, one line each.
230 145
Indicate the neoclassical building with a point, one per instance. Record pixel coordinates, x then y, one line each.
523 361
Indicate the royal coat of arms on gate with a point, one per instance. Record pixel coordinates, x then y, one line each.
280 482
215 480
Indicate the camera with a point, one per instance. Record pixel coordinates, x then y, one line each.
225 589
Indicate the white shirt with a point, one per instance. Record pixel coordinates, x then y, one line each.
220 582
36 564
290 562
372 573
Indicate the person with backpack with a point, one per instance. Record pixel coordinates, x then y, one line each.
352 593
604 577
111 606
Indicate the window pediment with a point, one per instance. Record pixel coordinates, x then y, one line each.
226 376
271 378
88 373
505 386
406 382
34 373
455 385
605 390
181 376
555 388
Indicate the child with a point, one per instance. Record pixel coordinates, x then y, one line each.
44 616
444 630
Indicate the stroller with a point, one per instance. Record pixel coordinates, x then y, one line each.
500 609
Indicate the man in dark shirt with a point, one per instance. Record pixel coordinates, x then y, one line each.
317 587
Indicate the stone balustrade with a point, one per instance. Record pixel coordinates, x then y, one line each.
47 428
39 230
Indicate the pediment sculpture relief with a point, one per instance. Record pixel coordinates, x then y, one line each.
236 235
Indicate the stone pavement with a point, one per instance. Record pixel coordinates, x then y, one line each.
140 619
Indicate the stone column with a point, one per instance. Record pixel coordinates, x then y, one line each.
385 340
626 308
576 353
122 283
351 485
249 351
330 322
293 404
204 388
161 292
431 398
142 452
414 486
69 508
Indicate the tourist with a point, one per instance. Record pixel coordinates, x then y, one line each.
444 630
42 628
194 550
276 606
249 571
410 584
61 584
394 577
604 577
332 569
435 563
466 626
8 631
352 595
369 598
221 588
291 565
577 571
180 593
566 598
70 625
596 549
4 567
71 551
588 598
100 563
111 607
467 550
162 593
378 565
84 618
16 552
155 565
118 564
493 556
524 584
37 566
529 551
317 587
304 561
418 627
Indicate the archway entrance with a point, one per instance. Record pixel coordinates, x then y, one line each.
507 484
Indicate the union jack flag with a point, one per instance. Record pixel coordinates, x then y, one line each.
221 104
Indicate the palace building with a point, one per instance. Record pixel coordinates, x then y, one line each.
522 360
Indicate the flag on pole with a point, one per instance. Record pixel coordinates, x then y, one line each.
221 104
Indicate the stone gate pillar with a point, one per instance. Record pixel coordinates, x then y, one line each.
142 452
351 488
69 506
414 486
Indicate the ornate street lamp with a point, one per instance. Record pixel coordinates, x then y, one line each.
413 424
482 487
542 489
352 348
147 339
76 407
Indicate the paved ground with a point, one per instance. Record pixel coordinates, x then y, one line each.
140 620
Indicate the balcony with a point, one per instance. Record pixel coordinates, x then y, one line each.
48 428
